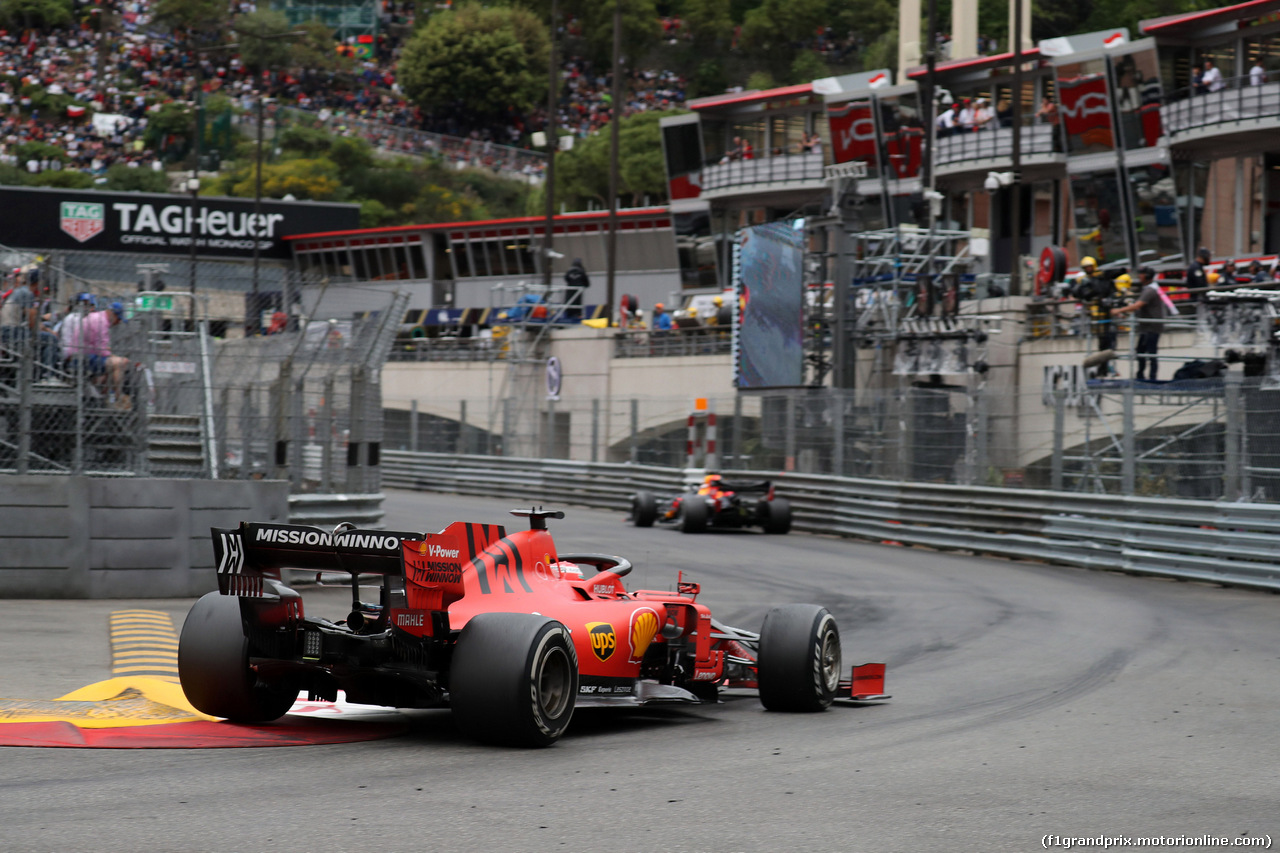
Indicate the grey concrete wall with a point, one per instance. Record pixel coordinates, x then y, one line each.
83 537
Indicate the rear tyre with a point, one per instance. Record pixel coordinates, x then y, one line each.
644 509
514 679
693 514
213 666
799 663
776 515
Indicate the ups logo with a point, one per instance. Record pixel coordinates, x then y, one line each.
603 639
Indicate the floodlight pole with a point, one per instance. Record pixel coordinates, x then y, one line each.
549 184
1015 203
615 122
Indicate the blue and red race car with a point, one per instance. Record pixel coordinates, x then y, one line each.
715 502
501 627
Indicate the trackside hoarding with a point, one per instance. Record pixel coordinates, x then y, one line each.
152 223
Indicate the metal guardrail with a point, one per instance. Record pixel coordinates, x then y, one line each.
1227 543
326 511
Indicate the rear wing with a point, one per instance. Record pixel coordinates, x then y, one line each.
746 485
247 554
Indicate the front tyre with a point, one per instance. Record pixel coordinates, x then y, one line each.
213 665
514 679
693 514
644 509
799 663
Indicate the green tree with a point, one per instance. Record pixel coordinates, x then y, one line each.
808 65
12 176
582 174
772 30
121 178
302 178
709 22
204 20
641 28
484 58
35 13
264 40
315 50
67 179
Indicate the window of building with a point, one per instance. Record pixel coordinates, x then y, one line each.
1155 212
1099 227
1137 94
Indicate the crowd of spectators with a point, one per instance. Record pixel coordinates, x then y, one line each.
54 82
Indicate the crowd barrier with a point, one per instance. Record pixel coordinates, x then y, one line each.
1231 543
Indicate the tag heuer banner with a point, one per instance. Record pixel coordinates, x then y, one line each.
152 223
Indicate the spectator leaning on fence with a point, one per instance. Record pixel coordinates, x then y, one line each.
89 340
661 319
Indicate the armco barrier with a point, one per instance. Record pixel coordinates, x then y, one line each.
327 510
1228 543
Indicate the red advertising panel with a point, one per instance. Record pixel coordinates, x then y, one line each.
853 132
1084 108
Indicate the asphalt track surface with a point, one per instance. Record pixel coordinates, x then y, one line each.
1028 700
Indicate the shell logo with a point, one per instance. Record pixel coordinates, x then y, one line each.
644 627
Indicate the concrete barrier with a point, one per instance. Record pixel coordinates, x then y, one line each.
85 537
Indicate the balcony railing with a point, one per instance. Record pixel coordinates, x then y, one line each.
777 169
1238 100
962 146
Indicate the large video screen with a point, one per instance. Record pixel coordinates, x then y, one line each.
769 336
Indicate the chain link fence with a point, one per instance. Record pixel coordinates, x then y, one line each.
102 377
1194 439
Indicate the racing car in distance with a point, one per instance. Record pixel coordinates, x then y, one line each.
715 503
500 627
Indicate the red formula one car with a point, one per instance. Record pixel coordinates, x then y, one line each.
715 503
501 627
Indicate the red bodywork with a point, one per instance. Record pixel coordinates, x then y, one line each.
475 568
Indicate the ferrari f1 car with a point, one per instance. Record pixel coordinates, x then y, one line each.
715 503
500 627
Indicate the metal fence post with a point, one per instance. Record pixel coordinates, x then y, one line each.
984 434
328 482
506 426
356 439
595 429
1128 441
77 459
737 431
549 437
413 425
1059 428
1233 463
296 463
246 433
837 431
24 405
906 431
635 430
789 439
461 447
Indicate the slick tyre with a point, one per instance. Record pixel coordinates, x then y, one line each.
776 516
514 679
644 509
693 515
213 665
799 663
